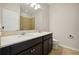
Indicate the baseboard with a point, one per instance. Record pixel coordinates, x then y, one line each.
69 47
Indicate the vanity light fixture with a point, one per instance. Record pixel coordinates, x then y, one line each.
37 7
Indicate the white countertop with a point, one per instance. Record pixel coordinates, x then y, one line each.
10 40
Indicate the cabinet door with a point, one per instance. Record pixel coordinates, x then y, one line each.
50 44
45 47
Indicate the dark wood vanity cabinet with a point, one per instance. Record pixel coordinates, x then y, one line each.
38 46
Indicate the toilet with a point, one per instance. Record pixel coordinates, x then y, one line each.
55 44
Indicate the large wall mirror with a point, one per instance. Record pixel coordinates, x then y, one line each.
23 16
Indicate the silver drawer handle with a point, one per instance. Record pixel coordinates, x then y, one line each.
32 50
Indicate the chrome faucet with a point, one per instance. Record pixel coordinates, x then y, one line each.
39 31
23 33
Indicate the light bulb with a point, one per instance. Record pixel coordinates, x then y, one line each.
33 4
38 6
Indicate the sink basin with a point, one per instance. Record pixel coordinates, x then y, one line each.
30 34
35 33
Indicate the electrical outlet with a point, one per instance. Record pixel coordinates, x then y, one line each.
70 36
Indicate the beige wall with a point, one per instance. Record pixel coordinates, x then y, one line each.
0 19
64 21
42 18
0 24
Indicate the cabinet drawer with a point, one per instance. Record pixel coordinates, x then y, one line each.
47 36
24 45
35 50
26 52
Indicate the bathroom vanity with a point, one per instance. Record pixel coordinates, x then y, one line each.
40 44
15 19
